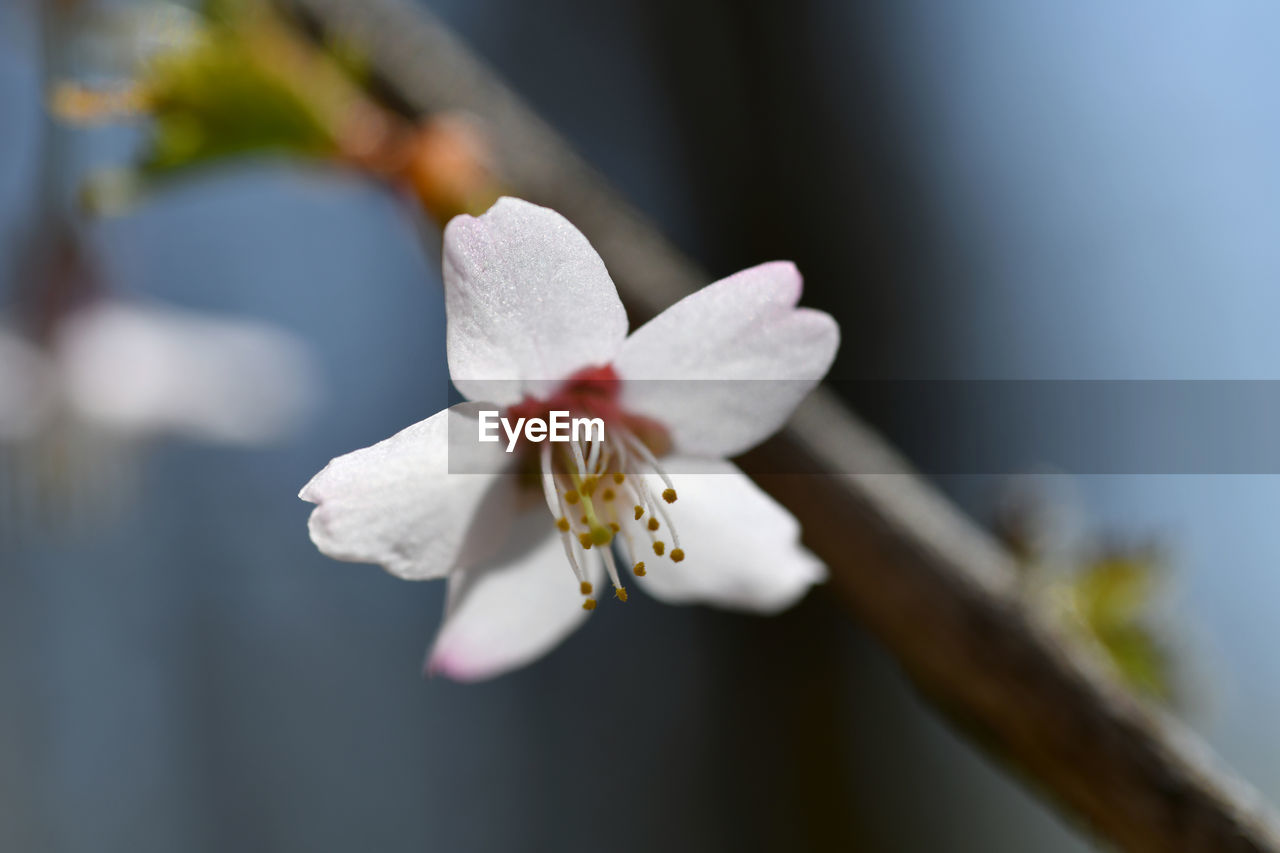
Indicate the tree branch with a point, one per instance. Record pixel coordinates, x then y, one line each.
937 591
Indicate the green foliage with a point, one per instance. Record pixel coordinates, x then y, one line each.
1103 593
1110 597
218 101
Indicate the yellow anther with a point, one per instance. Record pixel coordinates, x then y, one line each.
620 593
639 511
563 524
639 569
653 523
669 495
571 497
659 547
589 604
584 539
618 477
585 587
601 535
677 554
585 520
615 527
607 494
589 484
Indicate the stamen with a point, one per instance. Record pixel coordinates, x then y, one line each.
571 497
638 568
607 495
653 523
611 567
615 527
580 464
677 554
585 587
573 562
671 528
594 459
549 485
557 509
669 495
658 547
618 477
645 454
632 553
584 539
621 594
589 604
635 487
599 534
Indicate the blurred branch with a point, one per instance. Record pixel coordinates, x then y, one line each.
939 593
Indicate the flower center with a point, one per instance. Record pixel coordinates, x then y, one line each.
597 489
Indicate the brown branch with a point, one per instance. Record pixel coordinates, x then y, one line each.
936 590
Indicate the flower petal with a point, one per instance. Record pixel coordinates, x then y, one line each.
507 615
27 388
742 548
729 363
527 300
147 369
397 504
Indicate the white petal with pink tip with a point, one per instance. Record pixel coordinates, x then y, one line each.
528 300
397 504
724 367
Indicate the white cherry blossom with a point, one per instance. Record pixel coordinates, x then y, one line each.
526 539
140 370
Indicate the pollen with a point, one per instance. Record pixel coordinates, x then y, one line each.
585 587
639 569
563 524
618 477
659 547
589 604
653 523
571 497
607 494
669 495
584 539
639 511
620 593
677 554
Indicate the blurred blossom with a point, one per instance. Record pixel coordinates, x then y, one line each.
145 369
140 371
534 325
76 412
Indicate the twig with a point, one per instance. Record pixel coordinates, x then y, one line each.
935 589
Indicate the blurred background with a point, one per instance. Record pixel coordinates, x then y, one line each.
996 189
